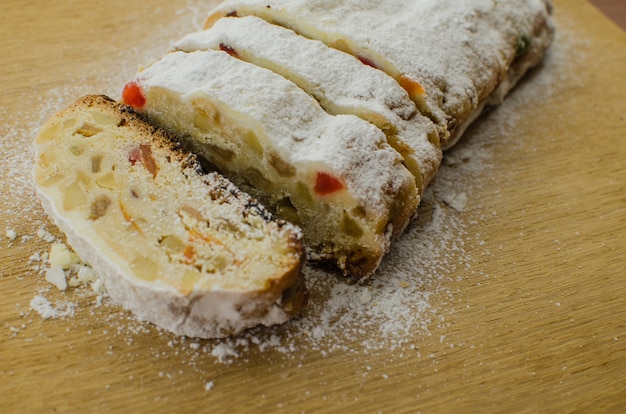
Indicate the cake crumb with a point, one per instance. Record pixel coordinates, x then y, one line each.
85 275
60 256
98 287
56 276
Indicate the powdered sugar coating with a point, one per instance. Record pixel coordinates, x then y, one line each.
458 51
338 81
305 135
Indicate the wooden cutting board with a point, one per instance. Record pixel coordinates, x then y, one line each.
526 314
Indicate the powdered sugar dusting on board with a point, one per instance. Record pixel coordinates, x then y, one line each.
402 302
47 310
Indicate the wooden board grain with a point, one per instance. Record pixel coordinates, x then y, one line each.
614 10
537 325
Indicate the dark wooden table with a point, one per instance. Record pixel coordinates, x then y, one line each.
614 9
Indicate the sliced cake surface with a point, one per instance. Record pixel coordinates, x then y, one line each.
338 81
336 176
181 248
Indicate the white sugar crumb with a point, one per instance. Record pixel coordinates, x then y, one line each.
224 352
457 201
11 234
45 235
209 386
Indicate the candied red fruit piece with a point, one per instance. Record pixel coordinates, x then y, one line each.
367 61
143 155
133 95
326 184
230 50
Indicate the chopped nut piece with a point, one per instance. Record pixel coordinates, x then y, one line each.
99 207
188 281
283 168
53 180
145 268
74 197
350 226
252 141
56 276
76 150
60 256
107 181
87 130
191 213
172 244
96 163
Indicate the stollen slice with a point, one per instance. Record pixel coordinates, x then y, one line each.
179 247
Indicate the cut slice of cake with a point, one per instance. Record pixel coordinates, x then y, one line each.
179 247
337 80
335 176
453 58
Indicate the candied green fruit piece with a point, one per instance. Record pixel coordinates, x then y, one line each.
350 226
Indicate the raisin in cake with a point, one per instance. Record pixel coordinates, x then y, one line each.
453 58
337 80
181 248
336 176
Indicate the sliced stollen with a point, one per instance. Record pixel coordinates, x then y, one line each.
337 80
179 247
336 176
452 57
